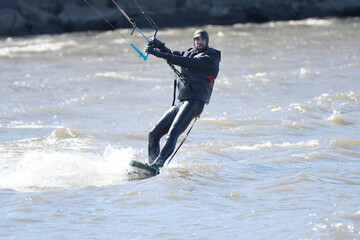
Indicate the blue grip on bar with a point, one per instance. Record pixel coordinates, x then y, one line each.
139 52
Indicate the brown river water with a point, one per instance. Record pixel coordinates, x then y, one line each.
275 155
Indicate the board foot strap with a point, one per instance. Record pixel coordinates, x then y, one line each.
144 166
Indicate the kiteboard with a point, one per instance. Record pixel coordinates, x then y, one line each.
141 170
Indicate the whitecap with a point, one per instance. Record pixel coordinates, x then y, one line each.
35 47
39 170
268 145
338 119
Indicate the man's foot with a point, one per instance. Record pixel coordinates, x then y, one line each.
159 163
152 158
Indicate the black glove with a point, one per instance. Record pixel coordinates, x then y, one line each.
151 50
156 43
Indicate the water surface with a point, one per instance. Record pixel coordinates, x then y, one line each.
274 155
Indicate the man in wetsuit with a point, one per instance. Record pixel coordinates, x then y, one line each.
199 67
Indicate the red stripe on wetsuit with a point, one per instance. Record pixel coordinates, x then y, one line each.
212 80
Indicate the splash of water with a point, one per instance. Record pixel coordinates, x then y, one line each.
37 170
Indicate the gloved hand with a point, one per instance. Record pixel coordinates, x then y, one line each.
156 43
151 50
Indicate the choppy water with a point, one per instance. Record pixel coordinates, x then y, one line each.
274 156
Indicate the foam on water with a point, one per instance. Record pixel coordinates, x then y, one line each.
39 170
268 144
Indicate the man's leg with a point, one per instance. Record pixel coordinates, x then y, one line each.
160 129
188 111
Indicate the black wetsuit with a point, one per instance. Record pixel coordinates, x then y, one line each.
200 70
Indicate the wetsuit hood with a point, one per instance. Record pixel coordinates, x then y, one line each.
202 33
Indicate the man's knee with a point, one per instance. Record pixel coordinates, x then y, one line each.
153 136
174 132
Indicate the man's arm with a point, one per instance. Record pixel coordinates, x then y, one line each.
156 43
201 63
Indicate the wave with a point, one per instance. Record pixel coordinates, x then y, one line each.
34 46
39 170
335 108
117 75
312 22
347 143
70 133
22 124
338 119
268 144
65 159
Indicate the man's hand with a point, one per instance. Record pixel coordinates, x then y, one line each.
156 43
151 50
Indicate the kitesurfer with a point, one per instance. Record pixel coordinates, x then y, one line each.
199 69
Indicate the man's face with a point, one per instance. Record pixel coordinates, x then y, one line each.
200 43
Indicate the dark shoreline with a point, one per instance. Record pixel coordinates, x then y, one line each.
27 17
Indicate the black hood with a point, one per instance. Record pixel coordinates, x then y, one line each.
202 33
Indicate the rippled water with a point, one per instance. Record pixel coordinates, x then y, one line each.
275 154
